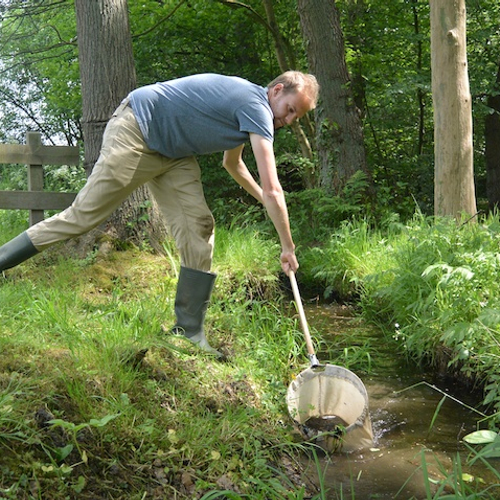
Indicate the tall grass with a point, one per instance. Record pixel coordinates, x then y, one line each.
12 223
98 401
432 284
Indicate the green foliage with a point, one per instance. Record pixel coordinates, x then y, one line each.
64 178
186 35
431 284
352 252
277 488
169 413
40 79
443 284
314 214
14 222
387 52
13 177
142 419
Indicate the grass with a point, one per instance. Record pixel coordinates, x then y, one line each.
97 401
432 286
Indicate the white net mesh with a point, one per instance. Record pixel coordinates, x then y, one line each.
322 396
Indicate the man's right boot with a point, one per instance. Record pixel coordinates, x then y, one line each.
16 251
194 289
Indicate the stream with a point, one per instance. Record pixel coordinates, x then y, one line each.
416 434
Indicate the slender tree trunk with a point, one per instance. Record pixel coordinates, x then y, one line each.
340 140
492 147
357 10
286 60
420 93
454 191
107 76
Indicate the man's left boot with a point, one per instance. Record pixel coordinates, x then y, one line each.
194 289
16 251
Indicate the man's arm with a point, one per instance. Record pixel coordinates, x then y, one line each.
270 194
234 164
273 199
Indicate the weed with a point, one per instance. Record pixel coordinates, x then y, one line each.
189 425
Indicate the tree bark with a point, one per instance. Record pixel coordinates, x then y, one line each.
107 76
106 66
492 147
454 192
339 130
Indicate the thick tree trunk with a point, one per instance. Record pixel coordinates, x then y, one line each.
106 66
454 191
339 130
107 76
492 147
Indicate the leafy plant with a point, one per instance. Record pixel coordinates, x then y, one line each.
491 441
73 431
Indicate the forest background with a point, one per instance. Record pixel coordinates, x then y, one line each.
367 239
387 53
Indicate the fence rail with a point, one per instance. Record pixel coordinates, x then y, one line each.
36 155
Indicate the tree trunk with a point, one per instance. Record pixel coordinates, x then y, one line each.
107 76
287 61
420 92
339 130
357 11
106 66
286 58
454 191
492 147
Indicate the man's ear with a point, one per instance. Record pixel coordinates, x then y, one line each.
277 88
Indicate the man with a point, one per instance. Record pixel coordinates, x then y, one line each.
153 137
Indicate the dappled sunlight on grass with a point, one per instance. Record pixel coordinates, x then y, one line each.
140 411
88 343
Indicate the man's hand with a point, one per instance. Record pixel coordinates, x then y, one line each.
289 262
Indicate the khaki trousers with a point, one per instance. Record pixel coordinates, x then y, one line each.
125 163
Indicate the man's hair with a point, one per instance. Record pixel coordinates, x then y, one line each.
296 81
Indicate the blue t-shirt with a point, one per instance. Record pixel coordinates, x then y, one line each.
201 114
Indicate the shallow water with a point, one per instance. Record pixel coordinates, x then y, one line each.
413 431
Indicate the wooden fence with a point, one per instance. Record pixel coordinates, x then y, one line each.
36 155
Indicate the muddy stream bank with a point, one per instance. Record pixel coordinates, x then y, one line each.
416 435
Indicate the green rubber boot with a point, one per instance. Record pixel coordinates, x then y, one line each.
16 251
194 289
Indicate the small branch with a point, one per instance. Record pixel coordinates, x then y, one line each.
161 21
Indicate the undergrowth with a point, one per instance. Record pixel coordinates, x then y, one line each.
97 401
433 285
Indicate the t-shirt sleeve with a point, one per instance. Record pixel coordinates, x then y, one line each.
256 119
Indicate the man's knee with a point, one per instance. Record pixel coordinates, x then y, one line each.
205 226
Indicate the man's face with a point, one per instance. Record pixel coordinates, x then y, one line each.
287 106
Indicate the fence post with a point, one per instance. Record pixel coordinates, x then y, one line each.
35 174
